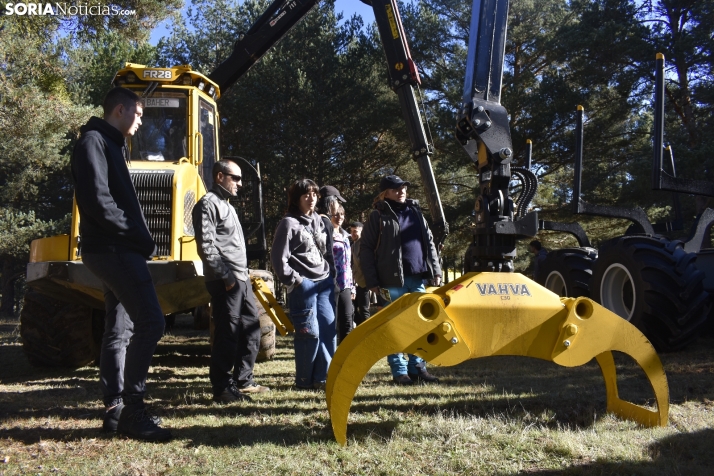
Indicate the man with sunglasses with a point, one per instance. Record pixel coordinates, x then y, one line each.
221 246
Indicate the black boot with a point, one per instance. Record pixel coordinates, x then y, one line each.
231 394
423 376
135 422
111 418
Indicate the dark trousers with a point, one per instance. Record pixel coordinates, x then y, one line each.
361 305
237 335
134 323
345 313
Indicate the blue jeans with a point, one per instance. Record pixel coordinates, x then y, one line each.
134 323
313 317
398 363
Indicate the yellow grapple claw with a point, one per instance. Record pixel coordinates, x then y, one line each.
271 306
429 333
485 314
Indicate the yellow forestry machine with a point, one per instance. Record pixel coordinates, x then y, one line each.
171 157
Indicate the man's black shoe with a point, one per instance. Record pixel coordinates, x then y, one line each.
423 376
111 418
231 394
135 422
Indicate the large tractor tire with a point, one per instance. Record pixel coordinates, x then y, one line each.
202 317
567 272
654 284
59 334
266 351
267 328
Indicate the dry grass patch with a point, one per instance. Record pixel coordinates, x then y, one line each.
503 416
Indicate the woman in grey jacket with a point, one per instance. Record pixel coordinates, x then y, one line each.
302 259
397 253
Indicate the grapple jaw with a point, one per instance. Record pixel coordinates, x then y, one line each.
485 314
266 299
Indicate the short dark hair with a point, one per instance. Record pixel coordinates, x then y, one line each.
327 205
297 190
535 244
222 167
117 96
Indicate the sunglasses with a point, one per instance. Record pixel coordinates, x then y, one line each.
236 178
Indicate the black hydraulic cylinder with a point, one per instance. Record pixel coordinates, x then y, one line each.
404 79
487 48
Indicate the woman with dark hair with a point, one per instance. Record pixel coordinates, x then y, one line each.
302 259
344 287
329 207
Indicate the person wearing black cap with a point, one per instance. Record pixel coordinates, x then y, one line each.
361 304
397 253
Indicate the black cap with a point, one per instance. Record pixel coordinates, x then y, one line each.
330 191
356 224
391 181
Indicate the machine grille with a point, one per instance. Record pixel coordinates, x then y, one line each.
155 191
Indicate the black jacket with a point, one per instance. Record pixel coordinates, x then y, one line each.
380 252
111 219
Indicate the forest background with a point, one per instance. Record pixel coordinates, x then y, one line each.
318 105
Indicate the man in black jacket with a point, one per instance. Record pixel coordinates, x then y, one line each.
115 244
397 253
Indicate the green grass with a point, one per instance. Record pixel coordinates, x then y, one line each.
502 416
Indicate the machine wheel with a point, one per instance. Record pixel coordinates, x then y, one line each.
267 328
267 337
567 272
169 321
266 351
202 317
653 283
59 334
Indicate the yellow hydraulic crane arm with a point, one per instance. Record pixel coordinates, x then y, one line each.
485 314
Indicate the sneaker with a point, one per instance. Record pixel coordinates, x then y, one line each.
319 385
111 418
135 422
231 394
254 388
423 376
403 380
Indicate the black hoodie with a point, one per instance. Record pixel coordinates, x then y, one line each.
111 217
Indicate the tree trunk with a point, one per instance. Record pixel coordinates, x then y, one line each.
7 287
677 17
